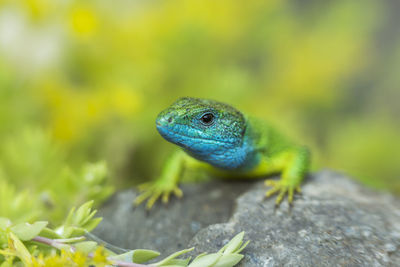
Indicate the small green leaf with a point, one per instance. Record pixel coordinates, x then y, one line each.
123 257
234 244
179 262
200 255
87 217
242 247
167 260
137 256
64 231
79 221
70 216
206 260
20 250
27 231
86 246
228 260
49 233
89 226
83 212
143 255
74 231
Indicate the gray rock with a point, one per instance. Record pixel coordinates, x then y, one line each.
167 228
335 222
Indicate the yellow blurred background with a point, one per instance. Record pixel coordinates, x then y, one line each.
82 81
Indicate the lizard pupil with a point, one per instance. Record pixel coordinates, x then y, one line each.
207 119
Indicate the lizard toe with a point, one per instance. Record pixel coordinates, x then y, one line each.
142 197
153 199
281 195
178 192
272 191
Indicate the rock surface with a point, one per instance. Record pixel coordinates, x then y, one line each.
167 228
335 222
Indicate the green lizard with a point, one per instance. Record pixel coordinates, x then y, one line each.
221 139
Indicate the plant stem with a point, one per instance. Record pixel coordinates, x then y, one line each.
50 242
70 240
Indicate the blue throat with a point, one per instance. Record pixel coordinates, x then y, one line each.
219 153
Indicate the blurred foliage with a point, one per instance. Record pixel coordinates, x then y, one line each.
30 162
82 81
37 245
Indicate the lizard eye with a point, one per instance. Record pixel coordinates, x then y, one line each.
207 119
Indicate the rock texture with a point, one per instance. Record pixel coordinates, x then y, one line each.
335 222
167 228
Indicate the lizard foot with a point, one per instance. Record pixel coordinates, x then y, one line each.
281 188
153 191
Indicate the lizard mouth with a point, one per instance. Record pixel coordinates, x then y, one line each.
177 137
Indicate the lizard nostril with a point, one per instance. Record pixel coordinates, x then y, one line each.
169 119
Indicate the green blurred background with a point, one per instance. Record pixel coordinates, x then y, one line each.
82 81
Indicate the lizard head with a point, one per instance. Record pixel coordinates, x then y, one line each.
204 128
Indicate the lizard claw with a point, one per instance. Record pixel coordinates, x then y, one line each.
281 188
153 191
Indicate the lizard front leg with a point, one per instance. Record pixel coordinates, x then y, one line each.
171 175
294 163
166 184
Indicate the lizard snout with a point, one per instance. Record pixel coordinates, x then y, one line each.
164 120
